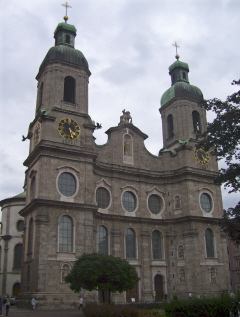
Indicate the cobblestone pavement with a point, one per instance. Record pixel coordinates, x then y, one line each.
20 312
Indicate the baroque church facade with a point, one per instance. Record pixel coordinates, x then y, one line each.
161 213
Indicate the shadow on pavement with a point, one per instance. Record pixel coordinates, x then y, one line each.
20 312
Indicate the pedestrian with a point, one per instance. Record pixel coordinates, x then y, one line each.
33 303
7 304
80 304
1 303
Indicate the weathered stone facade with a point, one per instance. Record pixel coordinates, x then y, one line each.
159 212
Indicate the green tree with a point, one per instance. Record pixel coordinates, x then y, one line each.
223 134
102 272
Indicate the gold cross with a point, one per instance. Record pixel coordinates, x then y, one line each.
66 5
175 44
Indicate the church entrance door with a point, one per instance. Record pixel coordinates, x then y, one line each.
158 286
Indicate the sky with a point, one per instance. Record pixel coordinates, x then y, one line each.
128 45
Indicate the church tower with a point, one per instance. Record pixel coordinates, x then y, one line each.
58 165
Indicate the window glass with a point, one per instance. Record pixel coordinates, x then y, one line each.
20 225
102 240
33 188
130 242
196 122
66 234
18 256
69 89
67 184
154 204
156 245
209 243
30 235
206 202
102 197
129 201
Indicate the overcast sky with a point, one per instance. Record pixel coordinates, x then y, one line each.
128 45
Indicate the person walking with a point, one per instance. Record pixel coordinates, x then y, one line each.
7 304
80 304
33 303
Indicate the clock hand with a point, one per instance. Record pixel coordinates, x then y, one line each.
71 132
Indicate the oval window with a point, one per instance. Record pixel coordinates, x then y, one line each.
102 197
206 202
67 184
129 201
154 204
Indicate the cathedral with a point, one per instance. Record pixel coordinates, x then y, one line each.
161 213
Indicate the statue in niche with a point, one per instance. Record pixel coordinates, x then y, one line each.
182 276
180 252
177 202
213 275
127 147
65 271
126 117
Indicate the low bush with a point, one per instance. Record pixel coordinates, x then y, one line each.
205 307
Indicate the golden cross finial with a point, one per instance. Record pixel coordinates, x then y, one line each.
175 44
66 5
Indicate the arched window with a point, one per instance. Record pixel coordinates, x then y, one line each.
33 188
68 39
17 264
28 273
170 130
156 245
20 225
130 244
40 96
30 235
69 89
66 234
184 75
209 240
196 122
102 240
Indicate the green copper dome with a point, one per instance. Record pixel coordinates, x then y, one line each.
180 84
65 54
64 50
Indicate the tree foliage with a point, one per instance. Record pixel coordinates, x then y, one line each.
224 135
103 272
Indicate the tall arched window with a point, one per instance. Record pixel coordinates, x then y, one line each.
196 122
102 239
69 89
209 240
170 130
40 96
66 234
30 235
156 245
33 188
130 244
17 264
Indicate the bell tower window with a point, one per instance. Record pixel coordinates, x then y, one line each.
68 39
69 89
170 126
196 122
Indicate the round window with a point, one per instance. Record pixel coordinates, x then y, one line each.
129 201
102 197
20 225
206 202
154 204
67 184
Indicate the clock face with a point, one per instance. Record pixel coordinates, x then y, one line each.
36 134
201 156
69 129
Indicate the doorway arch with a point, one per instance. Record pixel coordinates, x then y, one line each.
158 287
16 289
